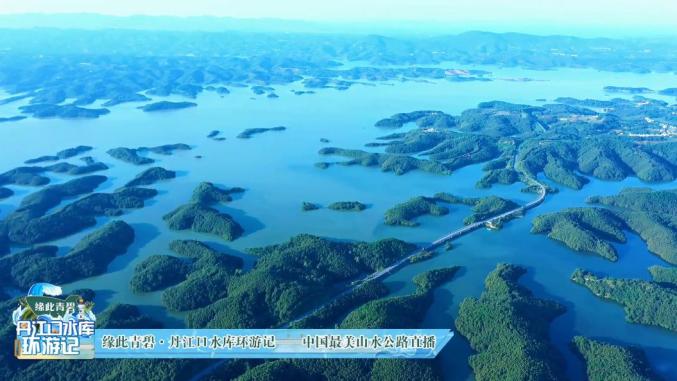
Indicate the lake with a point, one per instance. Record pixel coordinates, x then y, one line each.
277 170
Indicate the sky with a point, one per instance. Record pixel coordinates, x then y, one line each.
620 14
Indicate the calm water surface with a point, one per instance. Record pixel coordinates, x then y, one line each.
277 171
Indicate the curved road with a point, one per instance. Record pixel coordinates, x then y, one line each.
435 244
455 234
402 262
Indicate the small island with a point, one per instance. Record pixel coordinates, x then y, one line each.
645 302
200 217
302 92
483 208
129 155
74 170
151 176
508 328
166 149
30 225
505 176
61 155
260 90
5 193
627 90
43 110
421 118
665 275
404 214
208 193
120 98
249 132
166 106
488 207
308 206
396 163
347 206
591 229
38 203
422 256
12 118
583 229
605 361
89 257
24 176
132 155
34 175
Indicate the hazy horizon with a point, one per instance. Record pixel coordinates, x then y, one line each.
577 18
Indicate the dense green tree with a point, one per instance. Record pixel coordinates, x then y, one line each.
605 361
508 328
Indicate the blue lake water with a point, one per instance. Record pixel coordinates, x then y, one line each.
277 170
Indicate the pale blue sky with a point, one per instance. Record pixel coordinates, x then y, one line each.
636 14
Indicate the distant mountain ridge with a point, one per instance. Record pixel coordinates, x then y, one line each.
92 21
